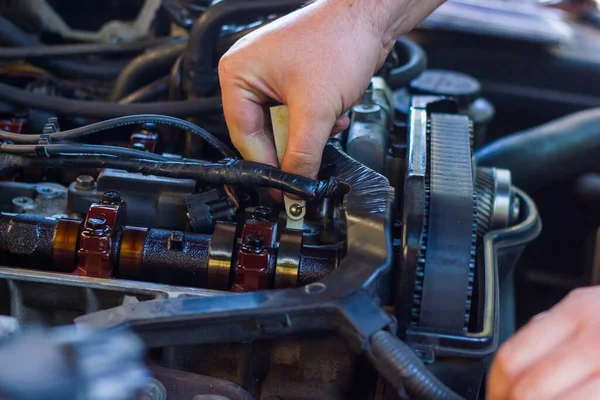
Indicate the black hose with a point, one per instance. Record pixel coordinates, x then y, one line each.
231 172
69 50
401 367
175 92
14 36
548 153
102 110
417 63
79 149
151 92
121 122
199 76
146 68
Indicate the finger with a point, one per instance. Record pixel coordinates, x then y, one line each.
309 131
341 124
590 389
574 361
539 337
245 120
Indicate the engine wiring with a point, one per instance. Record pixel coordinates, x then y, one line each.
126 121
231 172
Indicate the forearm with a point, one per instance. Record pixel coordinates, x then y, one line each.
388 19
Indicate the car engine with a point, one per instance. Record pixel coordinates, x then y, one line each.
142 258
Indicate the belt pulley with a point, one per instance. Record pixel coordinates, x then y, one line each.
446 261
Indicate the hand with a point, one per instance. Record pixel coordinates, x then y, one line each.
317 61
555 357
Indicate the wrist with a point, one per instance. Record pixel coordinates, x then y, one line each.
386 19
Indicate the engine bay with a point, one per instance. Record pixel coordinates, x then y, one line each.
126 211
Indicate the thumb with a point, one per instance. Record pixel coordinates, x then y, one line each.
309 132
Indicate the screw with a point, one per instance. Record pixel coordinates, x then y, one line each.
111 198
149 126
262 213
255 242
140 146
96 224
85 182
296 210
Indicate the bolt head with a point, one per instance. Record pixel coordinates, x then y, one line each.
96 223
262 213
140 146
150 126
111 198
85 182
254 242
296 210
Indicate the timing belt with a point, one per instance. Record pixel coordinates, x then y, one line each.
450 249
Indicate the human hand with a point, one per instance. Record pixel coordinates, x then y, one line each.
555 356
317 61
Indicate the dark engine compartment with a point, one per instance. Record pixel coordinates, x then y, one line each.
125 208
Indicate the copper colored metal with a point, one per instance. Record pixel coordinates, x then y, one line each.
132 248
97 239
10 126
147 140
65 245
220 257
288 259
254 257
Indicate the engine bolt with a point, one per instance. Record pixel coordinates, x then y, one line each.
96 224
140 146
255 243
111 198
150 127
85 182
296 210
262 213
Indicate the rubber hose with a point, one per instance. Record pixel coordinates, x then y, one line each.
103 110
234 172
102 126
416 64
146 68
70 50
199 76
14 36
548 153
401 367
150 92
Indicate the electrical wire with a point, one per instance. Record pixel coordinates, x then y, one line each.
102 110
230 192
125 121
67 50
232 172
79 149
